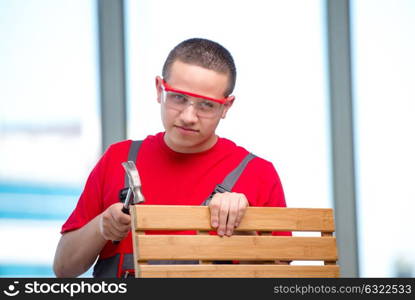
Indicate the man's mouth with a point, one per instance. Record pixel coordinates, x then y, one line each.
186 129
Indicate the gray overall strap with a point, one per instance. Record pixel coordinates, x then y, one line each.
230 179
233 177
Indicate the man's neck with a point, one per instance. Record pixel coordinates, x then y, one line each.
204 146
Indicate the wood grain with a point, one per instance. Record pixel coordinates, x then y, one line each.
165 217
208 247
241 271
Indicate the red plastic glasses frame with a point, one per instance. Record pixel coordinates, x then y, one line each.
168 88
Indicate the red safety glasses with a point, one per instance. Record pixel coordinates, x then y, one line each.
168 88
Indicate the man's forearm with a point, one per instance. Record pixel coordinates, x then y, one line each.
77 250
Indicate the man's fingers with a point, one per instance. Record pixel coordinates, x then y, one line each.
114 224
223 217
214 211
232 216
124 219
242 205
108 231
114 234
227 211
118 215
119 226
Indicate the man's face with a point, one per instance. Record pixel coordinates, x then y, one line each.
186 131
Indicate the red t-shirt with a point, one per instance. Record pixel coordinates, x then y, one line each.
173 178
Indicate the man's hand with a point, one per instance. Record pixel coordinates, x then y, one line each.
226 211
114 225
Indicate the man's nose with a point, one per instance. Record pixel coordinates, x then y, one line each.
189 114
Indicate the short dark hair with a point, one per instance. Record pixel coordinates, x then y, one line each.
206 54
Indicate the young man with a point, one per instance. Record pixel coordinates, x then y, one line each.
181 166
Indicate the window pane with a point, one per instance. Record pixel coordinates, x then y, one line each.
49 124
280 112
384 70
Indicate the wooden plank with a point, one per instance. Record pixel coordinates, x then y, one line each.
201 247
175 217
137 264
242 271
328 234
204 262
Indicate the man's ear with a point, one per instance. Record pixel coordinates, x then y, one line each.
227 105
159 81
